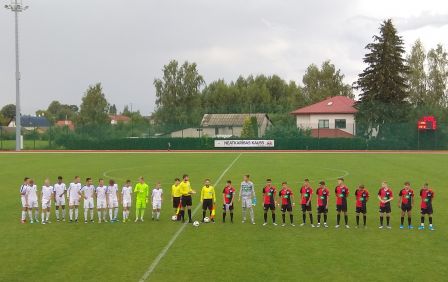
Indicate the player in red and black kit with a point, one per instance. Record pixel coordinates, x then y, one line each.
306 193
406 202
228 195
322 202
287 197
362 196
270 201
341 191
427 195
385 195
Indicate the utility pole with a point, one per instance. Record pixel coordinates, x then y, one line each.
17 7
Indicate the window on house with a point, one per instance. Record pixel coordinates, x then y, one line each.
324 123
340 123
216 130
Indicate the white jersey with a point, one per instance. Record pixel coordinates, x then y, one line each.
112 192
88 191
32 193
47 192
156 195
101 193
24 190
59 189
126 192
247 190
73 191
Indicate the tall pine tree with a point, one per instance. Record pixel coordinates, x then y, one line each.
383 97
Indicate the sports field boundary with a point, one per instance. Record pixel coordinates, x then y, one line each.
157 260
225 151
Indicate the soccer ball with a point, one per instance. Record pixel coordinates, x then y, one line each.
206 220
174 218
196 223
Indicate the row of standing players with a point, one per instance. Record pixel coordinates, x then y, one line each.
107 197
182 191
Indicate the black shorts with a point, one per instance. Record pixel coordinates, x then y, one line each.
406 208
186 201
428 210
306 208
385 209
207 204
269 207
287 207
224 207
362 210
322 209
341 208
176 202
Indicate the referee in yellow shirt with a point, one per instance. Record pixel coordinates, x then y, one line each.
175 196
186 201
208 198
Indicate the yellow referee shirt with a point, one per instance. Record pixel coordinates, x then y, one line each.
208 193
175 191
185 188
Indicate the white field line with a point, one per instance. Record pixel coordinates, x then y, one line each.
181 229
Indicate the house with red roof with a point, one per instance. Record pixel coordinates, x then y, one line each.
116 119
330 118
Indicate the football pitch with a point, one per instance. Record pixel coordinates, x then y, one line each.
170 251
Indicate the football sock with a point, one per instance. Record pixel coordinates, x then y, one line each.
409 220
203 215
291 218
99 215
244 213
142 213
273 217
70 213
110 214
402 220
265 217
381 220
430 220
57 214
48 215
23 215
283 217
304 217
189 214
115 213
251 211
311 218
357 220
158 215
338 219
224 217
30 214
36 214
85 214
387 220
91 214
325 218
43 216
76 214
422 220
346 219
364 218
63 213
318 218
231 216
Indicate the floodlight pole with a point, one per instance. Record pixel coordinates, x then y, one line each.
17 7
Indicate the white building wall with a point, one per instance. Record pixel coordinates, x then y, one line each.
312 121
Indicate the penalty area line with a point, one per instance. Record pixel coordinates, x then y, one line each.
157 260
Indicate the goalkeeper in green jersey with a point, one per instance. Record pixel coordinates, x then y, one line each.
141 191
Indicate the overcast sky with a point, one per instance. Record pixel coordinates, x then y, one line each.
67 45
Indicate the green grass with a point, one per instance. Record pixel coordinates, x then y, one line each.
225 252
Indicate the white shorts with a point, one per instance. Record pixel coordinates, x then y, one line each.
246 202
73 202
113 203
24 205
59 201
157 205
46 204
88 203
127 203
101 204
33 204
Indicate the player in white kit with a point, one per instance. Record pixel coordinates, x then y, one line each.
88 191
247 195
156 200
74 194
47 195
101 200
112 194
126 199
24 199
33 204
59 190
